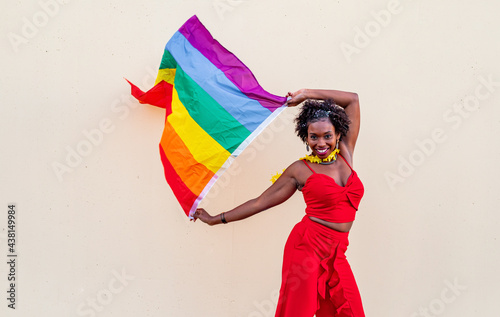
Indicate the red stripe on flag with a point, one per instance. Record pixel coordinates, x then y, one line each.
160 95
185 197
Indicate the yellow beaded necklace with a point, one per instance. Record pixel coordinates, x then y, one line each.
328 160
313 159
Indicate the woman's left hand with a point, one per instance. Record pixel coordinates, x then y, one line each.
203 215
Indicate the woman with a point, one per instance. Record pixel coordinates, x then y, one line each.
316 277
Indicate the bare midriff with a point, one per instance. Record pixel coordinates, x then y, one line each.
342 226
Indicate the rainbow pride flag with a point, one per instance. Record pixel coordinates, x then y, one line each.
214 108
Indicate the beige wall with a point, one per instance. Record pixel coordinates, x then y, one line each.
107 238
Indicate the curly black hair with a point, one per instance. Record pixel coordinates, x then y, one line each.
316 110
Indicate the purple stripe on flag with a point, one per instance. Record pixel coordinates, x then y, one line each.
196 33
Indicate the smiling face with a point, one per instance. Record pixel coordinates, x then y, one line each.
322 138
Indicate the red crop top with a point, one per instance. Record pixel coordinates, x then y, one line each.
327 200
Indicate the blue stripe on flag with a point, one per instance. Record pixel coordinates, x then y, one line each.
250 113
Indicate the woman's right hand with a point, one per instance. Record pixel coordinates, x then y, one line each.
203 215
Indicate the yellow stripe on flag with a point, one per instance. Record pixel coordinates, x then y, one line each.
166 74
202 146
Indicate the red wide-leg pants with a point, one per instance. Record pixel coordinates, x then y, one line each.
317 279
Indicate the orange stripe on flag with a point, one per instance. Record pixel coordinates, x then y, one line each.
183 194
194 174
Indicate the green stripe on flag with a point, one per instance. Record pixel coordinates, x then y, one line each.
167 61
209 114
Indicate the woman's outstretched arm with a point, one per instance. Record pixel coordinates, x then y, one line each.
279 192
347 100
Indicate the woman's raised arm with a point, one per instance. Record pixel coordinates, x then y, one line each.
347 100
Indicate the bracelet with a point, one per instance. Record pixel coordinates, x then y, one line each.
223 218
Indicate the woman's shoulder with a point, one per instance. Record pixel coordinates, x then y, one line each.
297 169
298 164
